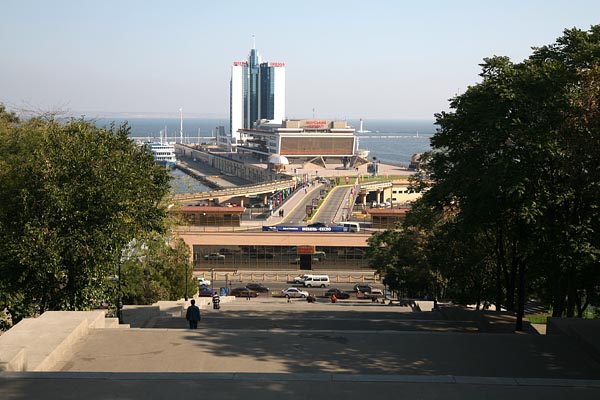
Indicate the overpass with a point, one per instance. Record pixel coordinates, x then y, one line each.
244 190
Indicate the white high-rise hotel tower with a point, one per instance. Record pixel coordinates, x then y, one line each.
257 92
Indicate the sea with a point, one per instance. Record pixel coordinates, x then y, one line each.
388 140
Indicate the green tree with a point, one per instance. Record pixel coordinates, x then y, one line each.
73 195
399 256
155 269
513 162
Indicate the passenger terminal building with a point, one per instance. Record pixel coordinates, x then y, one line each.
300 140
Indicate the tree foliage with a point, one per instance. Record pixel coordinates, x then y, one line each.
73 195
155 269
512 181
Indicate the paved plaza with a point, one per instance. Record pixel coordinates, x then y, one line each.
267 348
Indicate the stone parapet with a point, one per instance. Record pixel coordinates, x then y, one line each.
36 344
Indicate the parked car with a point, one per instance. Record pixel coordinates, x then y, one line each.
226 251
257 287
243 292
300 279
205 291
203 282
294 292
338 293
362 287
374 294
214 256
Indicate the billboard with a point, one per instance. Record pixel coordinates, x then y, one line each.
305 229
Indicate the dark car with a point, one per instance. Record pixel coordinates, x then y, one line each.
318 225
362 288
338 293
257 287
243 292
205 291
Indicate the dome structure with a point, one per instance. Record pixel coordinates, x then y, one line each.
278 159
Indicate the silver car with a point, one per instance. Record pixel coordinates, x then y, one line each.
294 292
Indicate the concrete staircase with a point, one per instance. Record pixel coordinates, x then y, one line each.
36 344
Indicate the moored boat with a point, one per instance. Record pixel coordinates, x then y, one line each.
164 154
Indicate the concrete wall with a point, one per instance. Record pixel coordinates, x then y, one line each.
586 332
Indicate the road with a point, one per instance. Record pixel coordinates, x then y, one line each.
297 214
335 201
277 286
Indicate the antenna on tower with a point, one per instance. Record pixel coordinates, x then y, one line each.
253 42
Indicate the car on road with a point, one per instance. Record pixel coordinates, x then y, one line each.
362 287
203 281
243 292
257 287
338 293
205 291
214 256
374 294
318 225
294 292
300 279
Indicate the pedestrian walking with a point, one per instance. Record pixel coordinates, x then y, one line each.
193 315
216 300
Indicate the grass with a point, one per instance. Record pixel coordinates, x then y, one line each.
366 178
538 318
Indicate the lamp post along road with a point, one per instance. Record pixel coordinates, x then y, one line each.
120 300
186 279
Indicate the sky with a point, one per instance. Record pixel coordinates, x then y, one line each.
344 59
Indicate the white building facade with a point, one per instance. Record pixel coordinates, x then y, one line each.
257 92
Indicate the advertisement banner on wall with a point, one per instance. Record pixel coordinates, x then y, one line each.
305 229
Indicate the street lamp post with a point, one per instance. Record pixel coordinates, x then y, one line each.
186 279
120 301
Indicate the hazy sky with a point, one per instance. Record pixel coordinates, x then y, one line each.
345 59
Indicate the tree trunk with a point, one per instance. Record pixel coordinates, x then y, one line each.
520 295
571 296
558 297
499 267
581 308
512 281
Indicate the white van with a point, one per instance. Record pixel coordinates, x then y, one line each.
352 226
316 281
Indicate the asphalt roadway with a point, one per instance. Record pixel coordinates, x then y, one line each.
267 348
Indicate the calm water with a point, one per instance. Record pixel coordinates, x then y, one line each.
391 141
183 183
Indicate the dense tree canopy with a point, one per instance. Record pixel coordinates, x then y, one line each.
72 197
513 179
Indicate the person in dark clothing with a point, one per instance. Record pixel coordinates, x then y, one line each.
193 315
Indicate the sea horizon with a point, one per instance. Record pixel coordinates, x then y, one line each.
392 141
